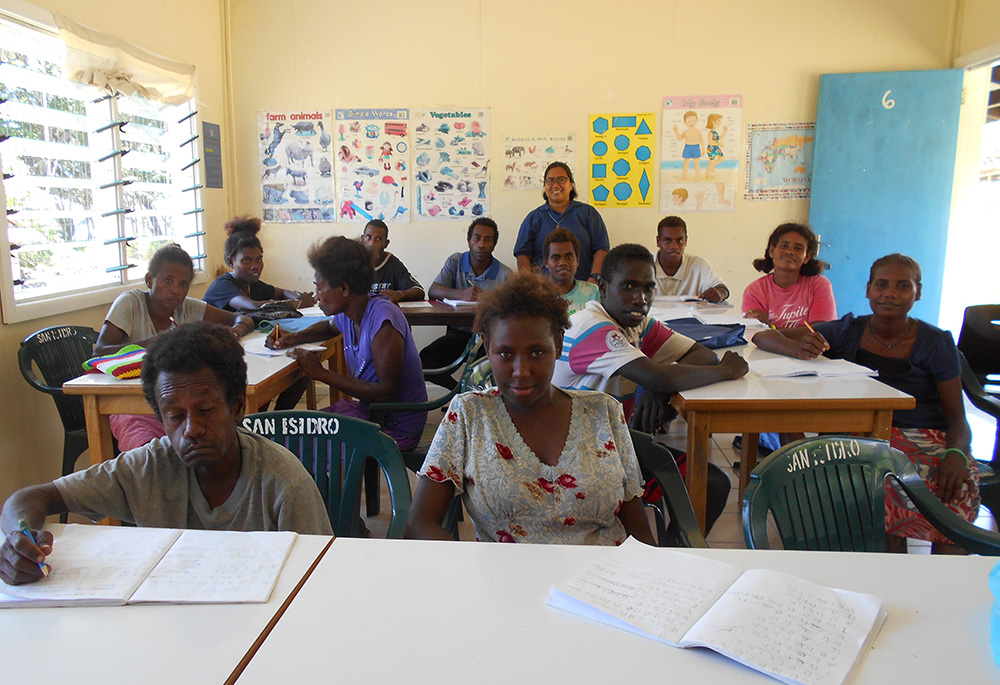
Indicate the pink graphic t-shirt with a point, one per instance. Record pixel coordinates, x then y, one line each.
810 299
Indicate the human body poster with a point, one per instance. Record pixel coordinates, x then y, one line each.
451 154
372 159
296 180
621 159
526 157
699 152
779 161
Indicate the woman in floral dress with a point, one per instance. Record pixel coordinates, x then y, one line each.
532 462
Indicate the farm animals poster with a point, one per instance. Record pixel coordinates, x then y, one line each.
621 159
526 157
372 159
296 180
451 156
699 152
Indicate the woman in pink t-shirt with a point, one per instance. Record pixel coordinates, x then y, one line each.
792 292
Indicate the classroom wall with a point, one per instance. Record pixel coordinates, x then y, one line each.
542 68
978 26
185 30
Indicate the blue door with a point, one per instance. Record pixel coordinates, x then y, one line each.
882 176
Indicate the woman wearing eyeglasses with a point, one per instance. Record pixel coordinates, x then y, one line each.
561 210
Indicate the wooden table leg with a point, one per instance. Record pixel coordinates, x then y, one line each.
98 431
748 459
883 424
698 435
311 395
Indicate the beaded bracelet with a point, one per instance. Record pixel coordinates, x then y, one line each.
964 456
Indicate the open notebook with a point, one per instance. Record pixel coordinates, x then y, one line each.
110 565
787 367
778 624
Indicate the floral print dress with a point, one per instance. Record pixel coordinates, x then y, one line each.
512 496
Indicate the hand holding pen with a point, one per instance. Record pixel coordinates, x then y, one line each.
22 555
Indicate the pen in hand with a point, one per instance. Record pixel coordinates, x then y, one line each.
826 345
26 531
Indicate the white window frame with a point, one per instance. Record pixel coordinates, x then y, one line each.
60 303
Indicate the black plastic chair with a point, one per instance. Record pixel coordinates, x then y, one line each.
989 471
658 461
58 353
979 341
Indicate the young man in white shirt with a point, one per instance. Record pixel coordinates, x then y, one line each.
680 274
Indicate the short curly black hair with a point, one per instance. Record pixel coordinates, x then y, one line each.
813 267
242 232
522 295
192 347
171 253
620 254
560 235
342 260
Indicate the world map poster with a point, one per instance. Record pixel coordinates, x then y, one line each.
779 159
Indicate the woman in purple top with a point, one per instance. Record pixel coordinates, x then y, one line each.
382 358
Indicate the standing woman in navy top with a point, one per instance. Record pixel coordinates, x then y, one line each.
242 289
561 210
921 360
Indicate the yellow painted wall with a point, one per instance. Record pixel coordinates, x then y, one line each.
184 30
979 26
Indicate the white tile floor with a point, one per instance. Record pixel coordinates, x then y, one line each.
728 530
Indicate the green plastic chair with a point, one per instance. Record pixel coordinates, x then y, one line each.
334 449
658 461
828 493
478 376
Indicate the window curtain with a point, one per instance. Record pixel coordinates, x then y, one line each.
102 60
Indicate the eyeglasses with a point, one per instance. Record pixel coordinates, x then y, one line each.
556 180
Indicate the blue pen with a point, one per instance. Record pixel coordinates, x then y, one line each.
42 566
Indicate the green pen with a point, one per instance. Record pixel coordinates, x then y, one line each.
42 566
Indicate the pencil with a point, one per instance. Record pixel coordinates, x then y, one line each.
173 324
826 346
277 331
26 531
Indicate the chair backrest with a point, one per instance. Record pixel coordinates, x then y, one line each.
981 400
58 353
334 449
478 376
828 493
979 339
657 460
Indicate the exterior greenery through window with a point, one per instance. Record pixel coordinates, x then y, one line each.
88 200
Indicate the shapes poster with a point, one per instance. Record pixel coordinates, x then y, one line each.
371 148
779 160
451 155
526 157
699 152
296 180
621 159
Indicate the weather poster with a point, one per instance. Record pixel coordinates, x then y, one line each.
621 159
779 159
294 155
371 150
525 159
451 154
700 149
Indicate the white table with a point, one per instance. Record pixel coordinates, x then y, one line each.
104 395
170 644
402 611
752 405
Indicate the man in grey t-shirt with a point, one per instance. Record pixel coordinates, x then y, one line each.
206 473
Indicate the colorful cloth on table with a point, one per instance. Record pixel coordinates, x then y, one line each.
595 347
125 363
694 276
925 448
152 487
360 362
580 219
224 288
392 274
582 293
809 299
512 496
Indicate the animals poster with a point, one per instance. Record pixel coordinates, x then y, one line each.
372 160
621 159
526 157
296 173
699 152
451 156
779 160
